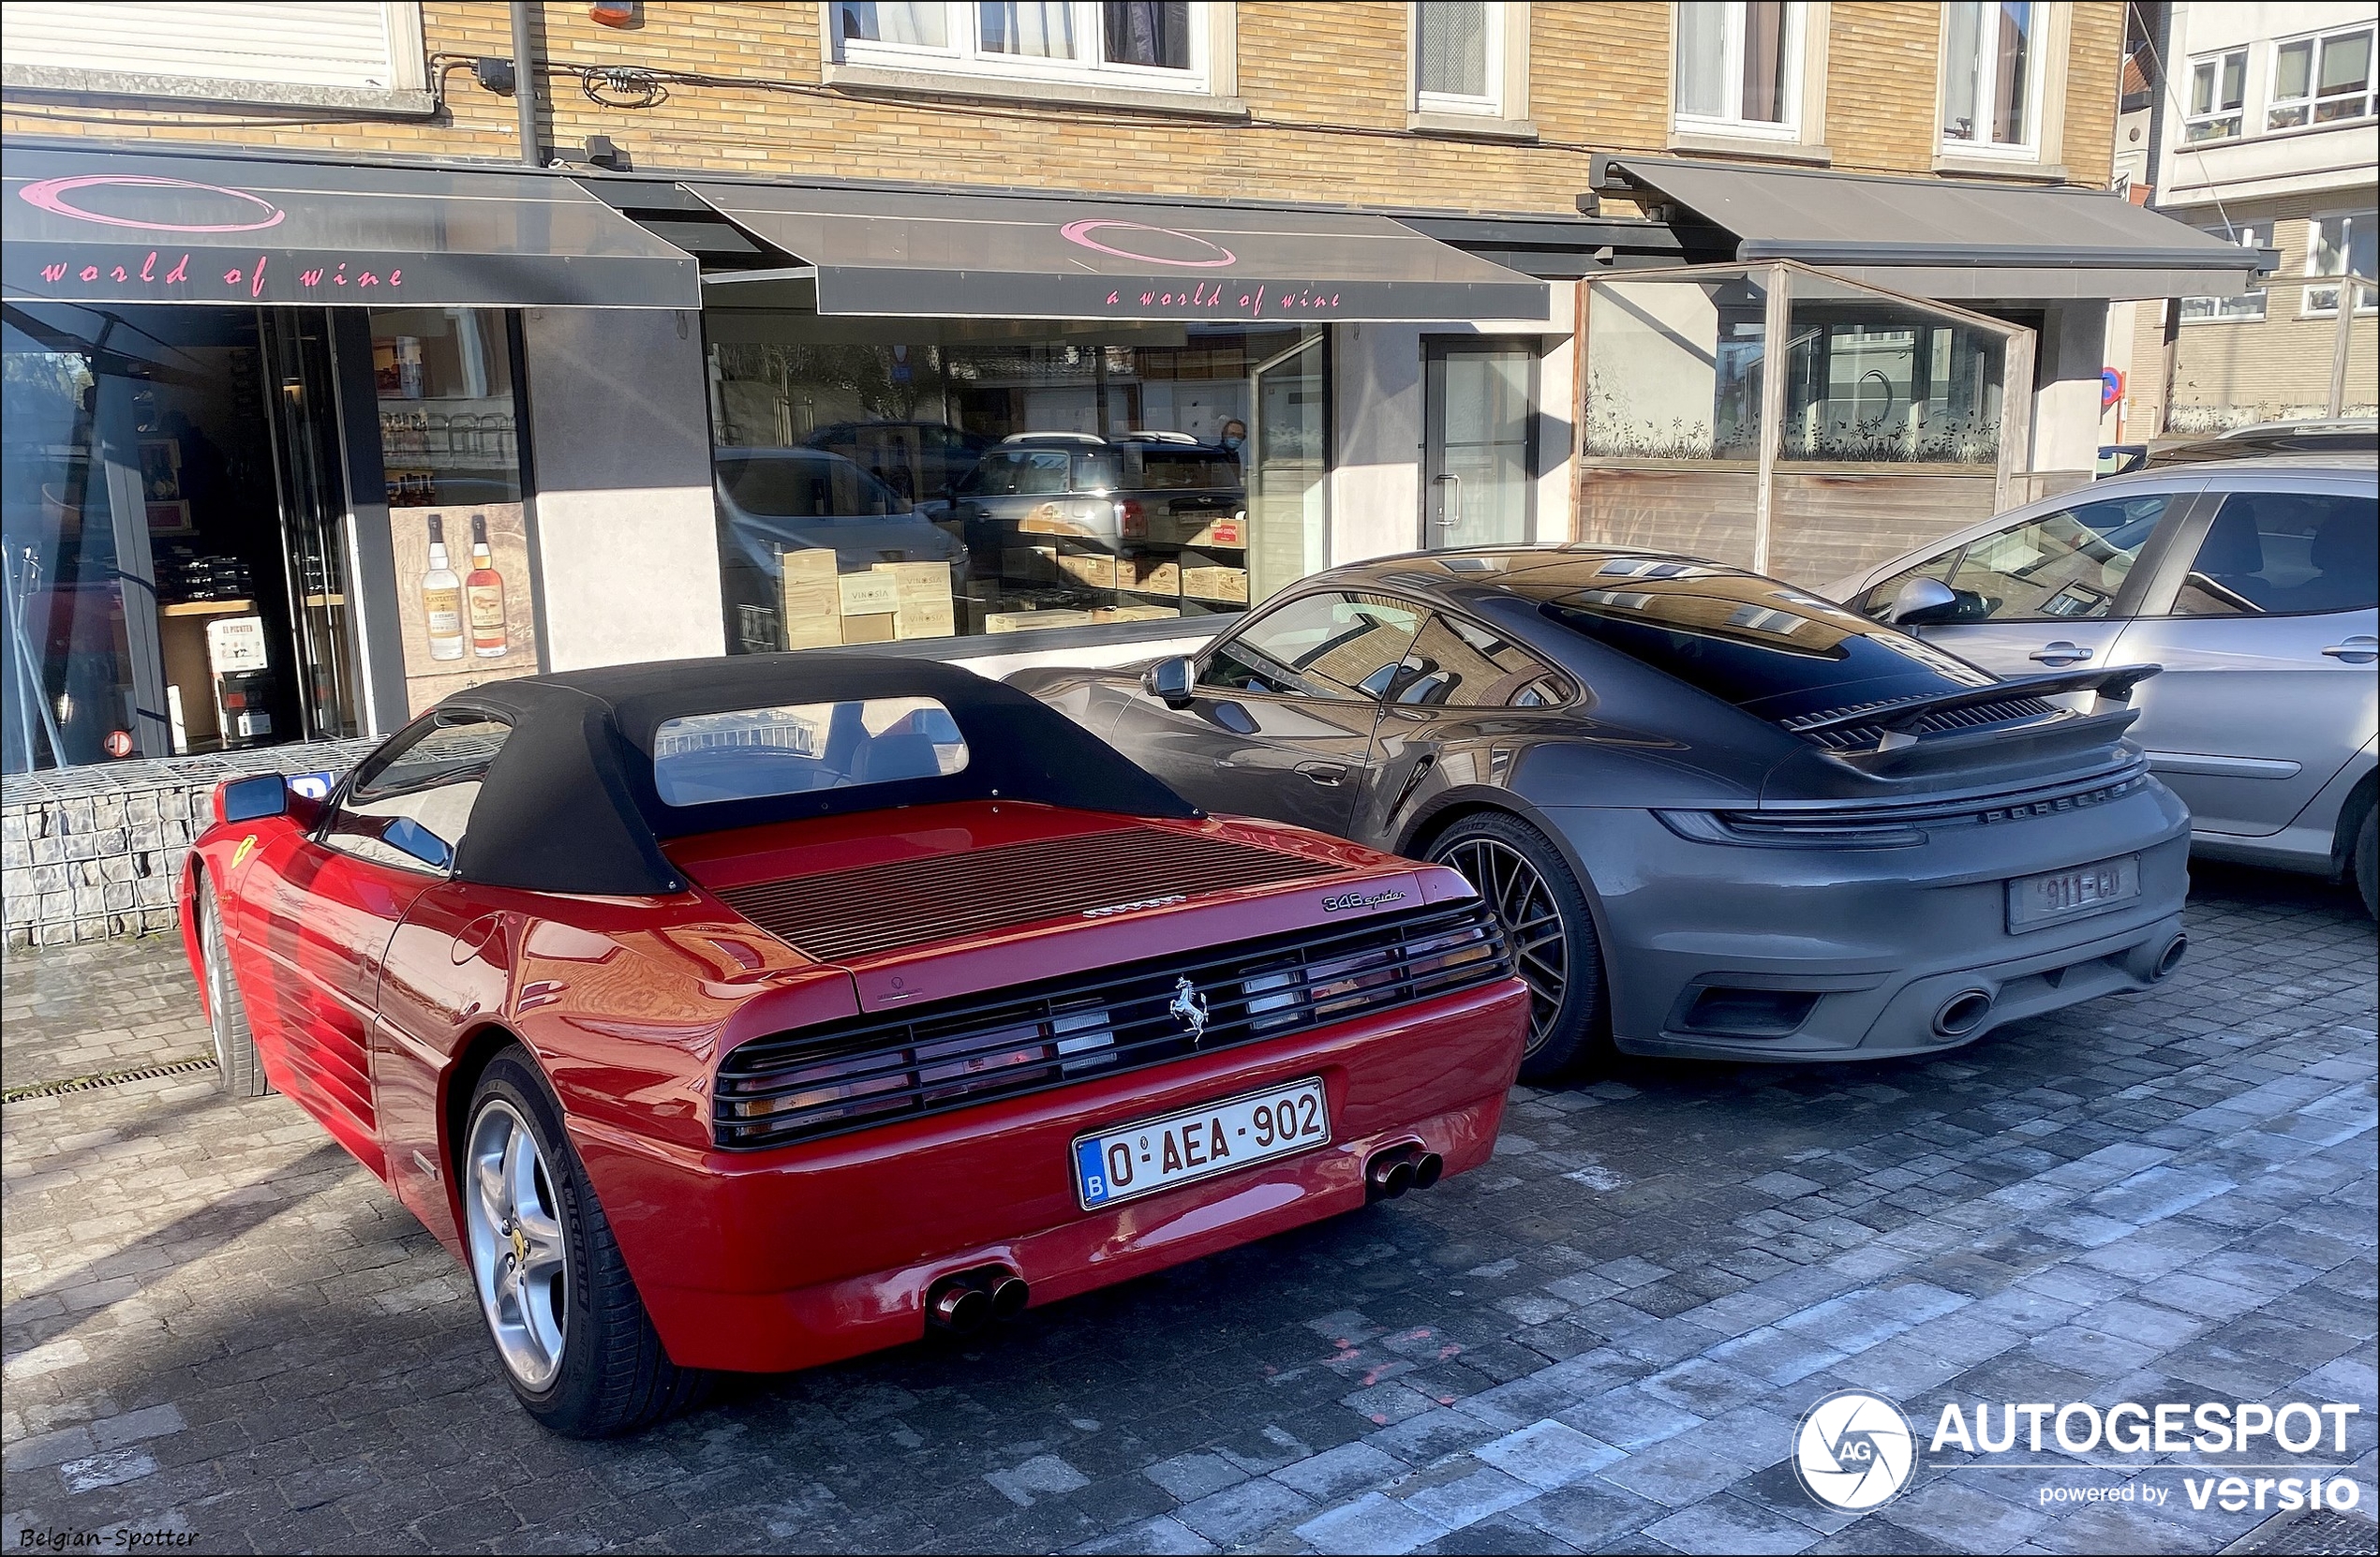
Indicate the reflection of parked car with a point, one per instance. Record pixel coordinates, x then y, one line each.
918 460
1140 486
776 500
2252 582
752 1014
1718 816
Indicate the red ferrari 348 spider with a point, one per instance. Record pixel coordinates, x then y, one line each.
750 1014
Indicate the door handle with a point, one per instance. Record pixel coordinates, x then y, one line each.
2362 649
1450 501
2060 653
1326 774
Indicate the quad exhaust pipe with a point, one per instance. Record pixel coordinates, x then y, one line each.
966 1302
1398 1168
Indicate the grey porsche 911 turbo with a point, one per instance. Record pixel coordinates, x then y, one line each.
1718 816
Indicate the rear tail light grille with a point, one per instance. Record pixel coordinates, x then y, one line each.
803 1086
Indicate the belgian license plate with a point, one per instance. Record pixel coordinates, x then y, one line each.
1134 1159
2071 894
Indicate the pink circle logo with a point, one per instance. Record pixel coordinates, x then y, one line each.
51 194
1080 232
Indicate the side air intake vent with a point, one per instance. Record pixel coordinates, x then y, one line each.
879 908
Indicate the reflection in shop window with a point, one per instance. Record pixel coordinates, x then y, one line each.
1870 381
883 481
444 381
1673 368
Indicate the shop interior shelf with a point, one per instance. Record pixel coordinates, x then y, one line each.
207 608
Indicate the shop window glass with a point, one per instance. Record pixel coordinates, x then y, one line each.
887 480
1870 381
449 434
1673 368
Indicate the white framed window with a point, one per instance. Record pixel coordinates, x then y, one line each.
2321 78
2346 243
1739 67
1458 57
2249 305
1148 44
2218 87
1992 68
338 53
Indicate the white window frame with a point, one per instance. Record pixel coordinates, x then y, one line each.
2216 114
2235 309
1492 104
964 54
406 92
2275 104
1732 68
1986 91
2368 301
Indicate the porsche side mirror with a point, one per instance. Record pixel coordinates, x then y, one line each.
1169 681
1921 602
252 799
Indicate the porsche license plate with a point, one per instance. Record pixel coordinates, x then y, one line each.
2035 900
1134 1159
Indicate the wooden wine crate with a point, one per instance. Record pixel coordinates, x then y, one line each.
1215 583
812 601
922 605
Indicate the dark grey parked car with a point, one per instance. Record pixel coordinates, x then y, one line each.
1717 815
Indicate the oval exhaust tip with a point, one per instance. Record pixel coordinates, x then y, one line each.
960 1310
1429 1170
1963 1013
2170 958
1009 1297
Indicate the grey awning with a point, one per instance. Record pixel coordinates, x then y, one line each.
102 226
964 256
1950 238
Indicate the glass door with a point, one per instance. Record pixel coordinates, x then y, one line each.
1288 407
1479 442
309 469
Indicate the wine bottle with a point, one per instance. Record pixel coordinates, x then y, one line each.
483 596
443 597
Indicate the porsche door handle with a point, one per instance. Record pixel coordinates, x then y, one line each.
2060 653
2362 649
1328 775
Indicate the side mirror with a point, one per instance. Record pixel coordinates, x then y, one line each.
1169 681
1922 600
252 799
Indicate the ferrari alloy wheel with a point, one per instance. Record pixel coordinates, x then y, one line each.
573 1337
237 1070
516 1244
1547 928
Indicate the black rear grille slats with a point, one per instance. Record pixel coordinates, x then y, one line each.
2008 806
857 913
812 1083
1971 716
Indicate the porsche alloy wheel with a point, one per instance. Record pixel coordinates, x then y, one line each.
516 1244
1547 928
576 1343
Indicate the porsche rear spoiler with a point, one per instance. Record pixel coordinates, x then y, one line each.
1900 747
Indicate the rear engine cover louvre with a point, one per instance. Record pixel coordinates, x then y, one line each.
802 1086
1973 716
841 914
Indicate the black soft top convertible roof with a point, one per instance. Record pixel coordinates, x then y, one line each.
568 804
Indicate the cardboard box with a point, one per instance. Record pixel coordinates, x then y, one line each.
1029 564
1215 583
874 627
812 603
1231 531
1027 621
1155 575
1135 613
921 592
1051 519
1095 569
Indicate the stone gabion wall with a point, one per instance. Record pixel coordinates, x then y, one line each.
96 853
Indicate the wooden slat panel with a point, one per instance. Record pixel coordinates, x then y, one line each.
1705 513
1827 526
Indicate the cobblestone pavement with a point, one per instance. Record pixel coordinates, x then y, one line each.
217 1324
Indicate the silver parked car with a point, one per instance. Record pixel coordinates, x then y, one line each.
2252 582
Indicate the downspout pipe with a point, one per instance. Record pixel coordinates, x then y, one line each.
524 86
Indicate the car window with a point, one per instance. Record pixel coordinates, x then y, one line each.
804 486
1459 664
2284 554
1163 468
796 748
2065 565
1333 645
1020 473
410 806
